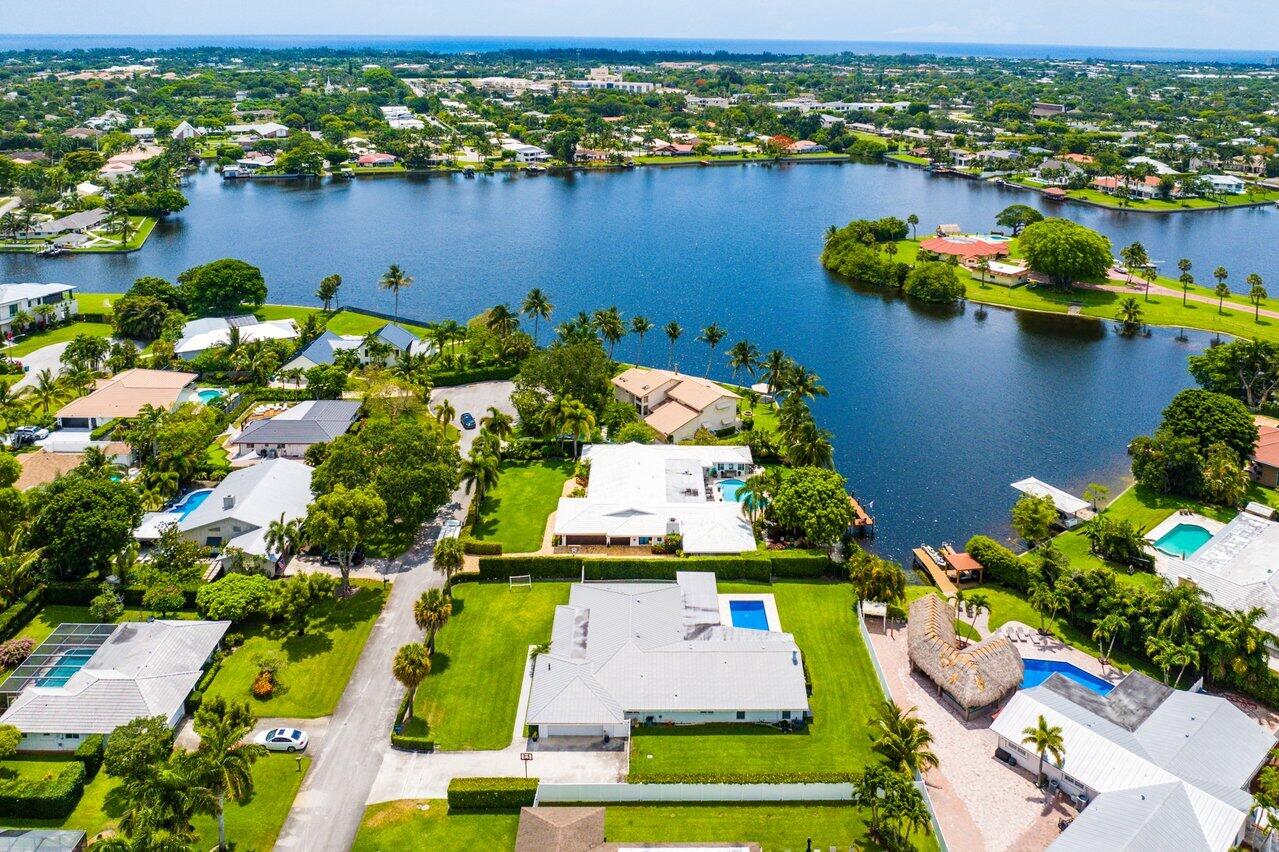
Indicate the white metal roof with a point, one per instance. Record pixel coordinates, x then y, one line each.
255 496
31 290
199 335
1066 503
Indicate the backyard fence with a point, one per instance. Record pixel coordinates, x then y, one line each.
608 793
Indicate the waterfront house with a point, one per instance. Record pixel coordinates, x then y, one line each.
663 653
1056 172
1005 274
1265 457
965 248
1147 188
25 298
525 153
291 433
677 405
377 160
639 494
324 349
82 221
974 679
125 394
1224 184
262 130
1154 767
805 146
87 679
725 150
1158 166
201 335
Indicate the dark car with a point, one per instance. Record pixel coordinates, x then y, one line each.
328 558
468 422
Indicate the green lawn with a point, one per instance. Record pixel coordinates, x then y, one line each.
427 824
1158 205
61 334
469 699
96 303
845 690
317 664
515 511
253 825
350 322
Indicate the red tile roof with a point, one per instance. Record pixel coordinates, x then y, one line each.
1267 450
963 247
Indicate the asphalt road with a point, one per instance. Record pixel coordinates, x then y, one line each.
328 809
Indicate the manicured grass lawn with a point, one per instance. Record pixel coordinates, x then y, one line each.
469 699
349 322
515 511
253 825
96 303
845 691
1158 204
279 312
427 824
317 664
61 334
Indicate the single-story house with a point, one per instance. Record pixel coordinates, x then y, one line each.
377 160
1071 510
203 334
723 150
263 130
125 395
26 297
89 679
1147 187
324 349
638 494
1159 167
46 465
86 187
242 507
964 248
112 172
1056 172
660 653
1006 274
805 146
290 433
677 405
1156 767
1265 457
144 134
82 221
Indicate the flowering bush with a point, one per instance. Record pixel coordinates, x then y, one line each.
264 685
15 651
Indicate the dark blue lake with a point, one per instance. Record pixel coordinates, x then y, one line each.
934 412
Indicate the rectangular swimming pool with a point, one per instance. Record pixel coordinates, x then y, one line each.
67 665
748 614
1038 671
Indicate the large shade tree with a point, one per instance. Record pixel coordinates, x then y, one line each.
1065 251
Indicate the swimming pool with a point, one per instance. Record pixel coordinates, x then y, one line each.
207 395
191 501
67 665
1038 671
1183 540
731 489
748 614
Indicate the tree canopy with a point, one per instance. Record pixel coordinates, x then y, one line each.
813 502
222 286
1018 216
1065 251
934 281
82 522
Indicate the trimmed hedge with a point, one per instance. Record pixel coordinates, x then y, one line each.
492 373
20 613
89 752
54 798
491 794
540 567
744 778
758 566
481 548
801 563
407 743
1001 565
196 696
104 430
82 594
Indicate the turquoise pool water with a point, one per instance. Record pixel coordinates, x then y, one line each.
192 501
730 489
67 665
1183 540
207 395
748 614
1038 671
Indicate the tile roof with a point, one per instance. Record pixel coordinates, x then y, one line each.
1267 449
125 394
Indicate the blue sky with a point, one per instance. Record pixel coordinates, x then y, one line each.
1238 24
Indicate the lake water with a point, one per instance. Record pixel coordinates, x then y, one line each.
934 411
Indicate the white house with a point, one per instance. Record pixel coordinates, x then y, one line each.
1224 184
325 348
203 334
143 134
89 679
291 433
264 130
677 405
184 130
242 507
638 494
602 78
25 298
1158 166
525 153
662 653
1158 768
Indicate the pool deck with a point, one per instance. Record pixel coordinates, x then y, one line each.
1171 522
770 609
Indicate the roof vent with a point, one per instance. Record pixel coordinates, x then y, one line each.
228 501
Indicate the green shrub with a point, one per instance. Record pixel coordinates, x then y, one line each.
800 563
481 548
53 798
89 752
491 794
539 567
744 778
1001 565
20 613
407 743
751 566
82 594
104 430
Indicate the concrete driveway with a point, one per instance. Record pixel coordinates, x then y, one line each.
47 358
475 399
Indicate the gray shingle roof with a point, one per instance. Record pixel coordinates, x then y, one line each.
398 336
306 423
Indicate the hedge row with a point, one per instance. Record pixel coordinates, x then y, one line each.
196 696
89 752
743 778
82 593
404 741
53 798
761 566
102 432
491 794
481 548
492 373
1001 565
17 616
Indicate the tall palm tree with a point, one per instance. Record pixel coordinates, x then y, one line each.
1223 289
431 611
538 306
1107 629
169 798
608 322
743 355
411 666
1045 739
640 326
46 391
673 332
395 279
501 321
803 383
17 566
574 417
480 472
444 412
712 336
902 739
283 537
1256 294
753 495
224 759
774 367
498 423
1186 278
976 604
328 290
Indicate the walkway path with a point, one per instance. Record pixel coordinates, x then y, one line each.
1139 288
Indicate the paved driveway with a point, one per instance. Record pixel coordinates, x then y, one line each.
45 358
476 399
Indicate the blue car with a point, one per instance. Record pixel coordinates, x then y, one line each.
468 422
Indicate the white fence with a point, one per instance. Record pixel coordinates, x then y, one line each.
605 793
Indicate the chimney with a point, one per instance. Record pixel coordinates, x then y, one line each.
228 501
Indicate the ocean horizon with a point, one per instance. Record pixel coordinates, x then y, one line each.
489 44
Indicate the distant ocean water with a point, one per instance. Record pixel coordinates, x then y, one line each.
481 44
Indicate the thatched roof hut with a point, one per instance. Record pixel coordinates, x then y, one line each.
975 678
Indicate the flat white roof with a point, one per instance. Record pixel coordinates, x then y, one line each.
1066 503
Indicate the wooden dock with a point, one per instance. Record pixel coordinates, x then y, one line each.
945 576
863 523
935 572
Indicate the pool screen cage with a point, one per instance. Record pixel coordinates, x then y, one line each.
65 638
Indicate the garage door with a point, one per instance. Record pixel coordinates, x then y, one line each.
572 730
586 539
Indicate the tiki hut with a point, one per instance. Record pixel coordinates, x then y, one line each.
976 678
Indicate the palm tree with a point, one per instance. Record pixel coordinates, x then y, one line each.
1256 294
712 336
902 739
913 221
1223 290
480 472
169 798
609 324
431 612
1107 629
17 566
501 321
1134 257
753 495
1240 642
1045 739
328 290
774 368
444 412
283 537
1186 278
673 331
801 382
1130 315
640 326
976 604
743 355
574 417
810 446
395 280
538 306
411 666
225 759
46 391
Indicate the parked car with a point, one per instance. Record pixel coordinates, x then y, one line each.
283 739
452 528
37 433
468 421
328 558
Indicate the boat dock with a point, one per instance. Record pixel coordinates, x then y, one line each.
863 523
948 569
